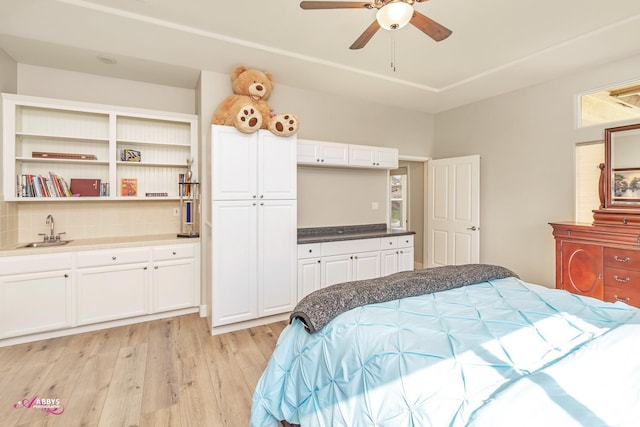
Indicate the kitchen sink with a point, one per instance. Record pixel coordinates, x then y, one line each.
45 244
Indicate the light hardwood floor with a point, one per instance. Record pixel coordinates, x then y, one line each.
168 372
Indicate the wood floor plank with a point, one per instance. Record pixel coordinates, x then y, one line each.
168 372
161 386
124 399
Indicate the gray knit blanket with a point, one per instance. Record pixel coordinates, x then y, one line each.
319 307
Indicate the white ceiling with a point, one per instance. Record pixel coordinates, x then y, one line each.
497 45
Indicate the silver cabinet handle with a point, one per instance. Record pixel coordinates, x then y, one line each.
618 279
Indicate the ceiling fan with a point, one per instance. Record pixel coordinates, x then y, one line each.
391 15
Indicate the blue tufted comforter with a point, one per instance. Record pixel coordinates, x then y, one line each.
497 353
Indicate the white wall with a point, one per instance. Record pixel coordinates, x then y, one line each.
62 84
526 142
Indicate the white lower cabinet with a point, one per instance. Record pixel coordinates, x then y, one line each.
345 268
35 302
399 256
328 263
175 277
42 293
35 294
112 292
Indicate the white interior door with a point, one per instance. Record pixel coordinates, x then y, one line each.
453 211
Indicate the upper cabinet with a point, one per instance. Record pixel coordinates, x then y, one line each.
373 157
258 165
54 148
320 153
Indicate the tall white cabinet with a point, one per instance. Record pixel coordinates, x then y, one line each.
253 226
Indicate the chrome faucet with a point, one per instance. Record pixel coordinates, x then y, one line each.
51 234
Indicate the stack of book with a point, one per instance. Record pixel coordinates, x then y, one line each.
41 186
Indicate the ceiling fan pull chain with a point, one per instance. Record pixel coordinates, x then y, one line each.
393 51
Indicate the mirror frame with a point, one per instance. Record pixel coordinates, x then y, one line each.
609 199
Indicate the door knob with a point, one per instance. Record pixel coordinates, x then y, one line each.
472 228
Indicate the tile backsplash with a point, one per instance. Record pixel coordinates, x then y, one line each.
86 220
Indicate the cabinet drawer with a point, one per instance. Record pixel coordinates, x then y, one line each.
626 294
309 250
34 263
112 257
622 258
350 246
162 253
388 243
622 278
405 241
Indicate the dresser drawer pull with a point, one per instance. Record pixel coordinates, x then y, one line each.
617 298
617 258
618 279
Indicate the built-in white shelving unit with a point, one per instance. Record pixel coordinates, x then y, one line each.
90 139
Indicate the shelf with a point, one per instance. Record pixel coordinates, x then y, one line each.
166 141
61 161
61 137
166 144
148 164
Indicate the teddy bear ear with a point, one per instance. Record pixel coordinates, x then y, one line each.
269 76
237 71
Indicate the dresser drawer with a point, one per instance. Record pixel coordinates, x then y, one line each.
621 277
622 258
626 294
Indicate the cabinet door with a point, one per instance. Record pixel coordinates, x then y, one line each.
366 265
386 158
173 285
37 302
308 276
277 170
405 259
307 152
334 154
233 262
113 292
582 269
277 256
233 159
389 262
361 155
336 269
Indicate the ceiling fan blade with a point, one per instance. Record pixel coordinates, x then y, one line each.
429 27
334 5
366 36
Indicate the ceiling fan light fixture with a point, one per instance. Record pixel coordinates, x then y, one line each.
394 15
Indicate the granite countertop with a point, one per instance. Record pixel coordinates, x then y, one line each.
348 232
99 243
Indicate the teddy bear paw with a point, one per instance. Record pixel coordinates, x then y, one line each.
283 124
248 119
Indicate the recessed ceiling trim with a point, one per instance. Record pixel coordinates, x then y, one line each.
245 43
541 52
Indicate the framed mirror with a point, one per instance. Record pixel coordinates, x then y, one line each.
622 167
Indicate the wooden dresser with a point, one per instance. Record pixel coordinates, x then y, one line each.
601 261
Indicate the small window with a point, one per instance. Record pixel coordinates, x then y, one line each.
399 212
610 105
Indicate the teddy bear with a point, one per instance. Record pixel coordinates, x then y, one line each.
247 109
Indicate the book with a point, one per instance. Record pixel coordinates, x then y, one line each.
129 187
